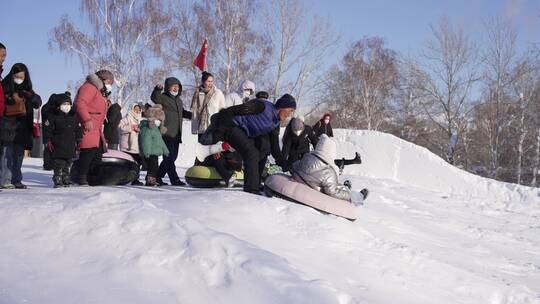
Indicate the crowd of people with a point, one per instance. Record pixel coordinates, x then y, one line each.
247 123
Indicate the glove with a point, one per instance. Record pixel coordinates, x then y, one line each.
225 146
357 198
347 184
88 126
50 146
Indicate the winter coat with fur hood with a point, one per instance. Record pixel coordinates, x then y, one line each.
150 136
318 171
91 105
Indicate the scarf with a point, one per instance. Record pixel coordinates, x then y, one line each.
202 109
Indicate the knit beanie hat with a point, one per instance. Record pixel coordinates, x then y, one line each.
286 101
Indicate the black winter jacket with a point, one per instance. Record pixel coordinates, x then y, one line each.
173 108
294 147
64 132
110 130
321 128
23 124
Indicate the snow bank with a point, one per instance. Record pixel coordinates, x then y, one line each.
389 157
385 156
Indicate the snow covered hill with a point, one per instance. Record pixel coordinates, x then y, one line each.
429 233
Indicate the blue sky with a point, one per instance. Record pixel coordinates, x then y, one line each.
405 25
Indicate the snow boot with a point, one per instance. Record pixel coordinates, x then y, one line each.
57 180
178 182
82 180
160 182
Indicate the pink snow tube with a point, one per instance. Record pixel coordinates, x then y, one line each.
285 186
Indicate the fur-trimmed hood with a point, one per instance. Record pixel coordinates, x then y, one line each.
96 81
156 113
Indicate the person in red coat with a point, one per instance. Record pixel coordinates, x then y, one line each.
3 54
91 109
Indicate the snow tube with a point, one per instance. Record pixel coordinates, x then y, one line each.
207 177
284 186
115 168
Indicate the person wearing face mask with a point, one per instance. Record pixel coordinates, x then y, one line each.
62 130
18 119
323 126
207 101
112 120
244 94
129 135
3 55
243 126
168 97
297 139
152 145
91 108
4 171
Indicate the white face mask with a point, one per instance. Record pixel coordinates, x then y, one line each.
246 93
157 123
108 87
298 132
327 121
18 80
173 93
65 108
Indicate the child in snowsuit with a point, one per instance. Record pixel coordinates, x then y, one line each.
63 131
151 144
317 170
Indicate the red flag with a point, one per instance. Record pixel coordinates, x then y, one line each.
200 60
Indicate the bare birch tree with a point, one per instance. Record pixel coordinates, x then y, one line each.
447 79
123 35
361 90
499 58
300 45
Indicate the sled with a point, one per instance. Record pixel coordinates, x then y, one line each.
114 168
208 177
284 186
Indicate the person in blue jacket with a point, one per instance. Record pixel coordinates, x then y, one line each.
250 128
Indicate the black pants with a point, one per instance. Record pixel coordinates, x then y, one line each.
262 143
138 159
88 158
61 166
167 165
47 158
238 139
220 165
152 163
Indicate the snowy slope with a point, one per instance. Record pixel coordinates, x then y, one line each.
429 233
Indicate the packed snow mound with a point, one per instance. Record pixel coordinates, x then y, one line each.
385 156
389 157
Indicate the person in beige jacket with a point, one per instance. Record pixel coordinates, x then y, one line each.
129 135
207 101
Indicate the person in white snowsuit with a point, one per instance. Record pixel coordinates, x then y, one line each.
245 93
317 170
